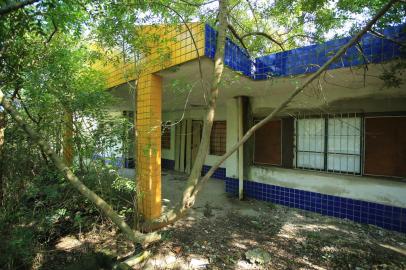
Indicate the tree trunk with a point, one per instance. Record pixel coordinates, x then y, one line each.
134 236
207 126
208 121
297 91
2 129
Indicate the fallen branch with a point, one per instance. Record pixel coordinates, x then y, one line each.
377 34
132 261
193 186
136 237
283 104
194 176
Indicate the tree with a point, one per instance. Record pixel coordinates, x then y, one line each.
19 68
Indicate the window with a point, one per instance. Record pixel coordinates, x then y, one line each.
344 145
385 146
310 143
218 138
268 144
332 144
348 144
166 136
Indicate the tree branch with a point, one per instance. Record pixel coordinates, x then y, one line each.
197 5
377 34
235 34
297 91
194 44
134 236
266 36
53 32
15 6
207 126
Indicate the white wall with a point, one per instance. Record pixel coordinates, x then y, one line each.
379 190
195 114
232 137
345 92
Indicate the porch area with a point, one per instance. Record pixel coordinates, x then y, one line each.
222 232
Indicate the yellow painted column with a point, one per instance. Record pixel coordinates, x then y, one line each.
148 124
68 139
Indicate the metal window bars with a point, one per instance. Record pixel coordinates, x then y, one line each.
329 142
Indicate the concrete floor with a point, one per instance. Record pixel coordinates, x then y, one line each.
212 194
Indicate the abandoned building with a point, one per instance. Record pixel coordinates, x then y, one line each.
338 149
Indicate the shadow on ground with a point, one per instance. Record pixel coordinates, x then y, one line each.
220 230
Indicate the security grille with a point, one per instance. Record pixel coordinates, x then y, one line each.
330 142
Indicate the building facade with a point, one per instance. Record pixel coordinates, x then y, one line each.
338 149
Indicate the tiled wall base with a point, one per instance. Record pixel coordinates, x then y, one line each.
167 164
385 216
220 173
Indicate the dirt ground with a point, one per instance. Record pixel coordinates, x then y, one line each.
222 232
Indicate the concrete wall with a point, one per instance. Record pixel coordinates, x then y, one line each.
195 114
379 190
372 189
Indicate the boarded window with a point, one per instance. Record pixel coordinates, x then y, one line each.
166 136
218 138
268 144
385 146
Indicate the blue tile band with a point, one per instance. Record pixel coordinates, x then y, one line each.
308 59
167 164
385 216
220 173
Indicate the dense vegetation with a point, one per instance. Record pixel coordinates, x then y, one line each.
46 71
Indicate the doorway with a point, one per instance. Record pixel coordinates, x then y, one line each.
188 135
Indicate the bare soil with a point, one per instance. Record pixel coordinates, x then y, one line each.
219 231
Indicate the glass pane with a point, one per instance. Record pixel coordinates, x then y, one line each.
343 163
310 135
344 135
310 160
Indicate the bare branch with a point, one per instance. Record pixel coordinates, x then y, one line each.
253 14
266 36
194 44
380 35
53 32
297 91
197 5
134 236
15 6
235 34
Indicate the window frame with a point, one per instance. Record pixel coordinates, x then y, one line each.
168 126
323 153
281 146
211 151
326 152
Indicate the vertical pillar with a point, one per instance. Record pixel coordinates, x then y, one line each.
68 139
148 124
240 150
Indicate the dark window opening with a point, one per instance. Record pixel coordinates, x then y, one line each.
166 135
218 138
